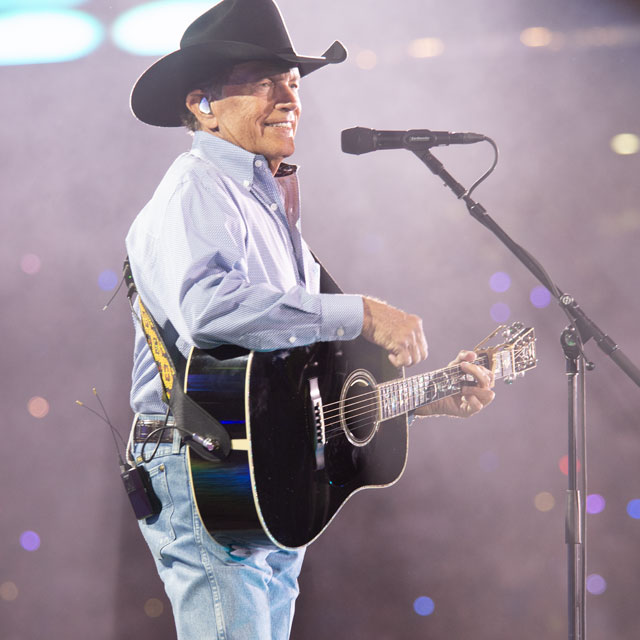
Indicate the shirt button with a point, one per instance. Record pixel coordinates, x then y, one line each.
273 206
246 183
340 332
258 163
292 339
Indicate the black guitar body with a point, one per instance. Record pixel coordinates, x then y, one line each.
306 436
313 425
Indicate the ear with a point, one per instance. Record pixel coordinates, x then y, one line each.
192 102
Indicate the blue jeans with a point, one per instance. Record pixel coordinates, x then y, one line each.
219 589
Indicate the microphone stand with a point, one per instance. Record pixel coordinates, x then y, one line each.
580 330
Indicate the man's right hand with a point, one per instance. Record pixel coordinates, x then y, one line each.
398 332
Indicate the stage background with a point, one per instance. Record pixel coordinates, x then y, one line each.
470 543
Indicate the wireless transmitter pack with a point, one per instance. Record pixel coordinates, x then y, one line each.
137 484
136 480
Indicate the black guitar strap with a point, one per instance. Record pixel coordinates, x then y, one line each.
172 367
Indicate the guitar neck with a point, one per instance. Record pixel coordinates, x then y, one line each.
407 394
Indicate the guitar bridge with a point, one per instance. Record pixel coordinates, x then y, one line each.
320 438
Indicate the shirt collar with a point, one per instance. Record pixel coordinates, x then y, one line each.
237 162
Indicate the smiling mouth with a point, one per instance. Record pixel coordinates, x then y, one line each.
281 125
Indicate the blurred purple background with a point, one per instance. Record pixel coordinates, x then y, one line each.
470 542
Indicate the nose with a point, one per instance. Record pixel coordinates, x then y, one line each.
287 98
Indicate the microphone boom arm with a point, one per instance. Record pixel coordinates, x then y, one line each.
585 326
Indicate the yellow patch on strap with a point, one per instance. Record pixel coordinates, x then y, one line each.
160 354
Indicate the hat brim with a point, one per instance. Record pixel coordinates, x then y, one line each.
158 96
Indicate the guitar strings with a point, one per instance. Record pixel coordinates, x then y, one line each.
355 404
373 407
401 382
408 382
365 410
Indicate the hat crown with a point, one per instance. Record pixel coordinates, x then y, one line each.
256 22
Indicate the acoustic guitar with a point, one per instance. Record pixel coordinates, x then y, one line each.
311 426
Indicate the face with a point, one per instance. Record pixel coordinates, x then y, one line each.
259 110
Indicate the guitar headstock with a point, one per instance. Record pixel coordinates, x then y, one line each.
515 355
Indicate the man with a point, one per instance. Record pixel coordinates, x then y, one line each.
218 254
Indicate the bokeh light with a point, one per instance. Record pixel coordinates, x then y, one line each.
596 584
426 48
33 37
500 282
153 608
131 31
544 501
625 144
39 4
540 297
536 37
563 465
633 509
595 503
8 591
366 59
29 540
108 280
30 263
423 606
500 312
38 407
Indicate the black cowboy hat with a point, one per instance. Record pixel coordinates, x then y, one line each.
231 32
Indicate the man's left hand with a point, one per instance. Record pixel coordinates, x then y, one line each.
471 399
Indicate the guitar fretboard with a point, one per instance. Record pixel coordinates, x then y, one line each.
407 394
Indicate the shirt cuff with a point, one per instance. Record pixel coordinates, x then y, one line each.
342 316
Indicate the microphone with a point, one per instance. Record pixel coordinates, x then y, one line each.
361 140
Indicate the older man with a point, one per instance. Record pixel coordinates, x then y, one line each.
217 255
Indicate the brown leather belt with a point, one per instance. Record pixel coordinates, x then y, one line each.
146 425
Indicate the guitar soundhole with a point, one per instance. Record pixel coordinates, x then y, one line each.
359 414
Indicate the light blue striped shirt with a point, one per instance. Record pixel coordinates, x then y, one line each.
218 252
